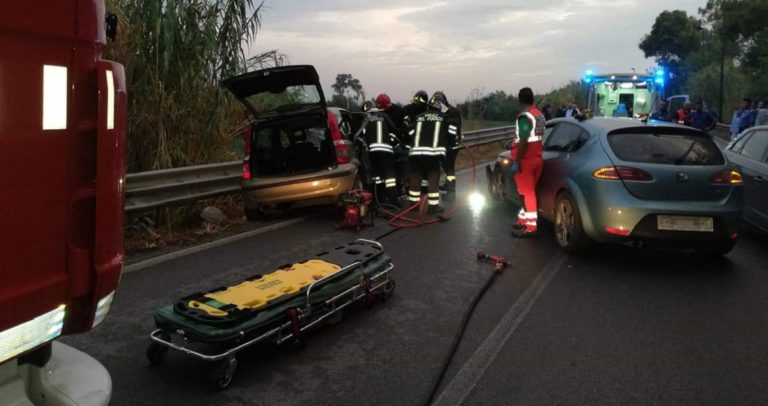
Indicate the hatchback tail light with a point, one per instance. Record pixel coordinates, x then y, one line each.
342 157
618 231
247 157
727 177
621 173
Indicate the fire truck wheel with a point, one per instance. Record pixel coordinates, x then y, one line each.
223 372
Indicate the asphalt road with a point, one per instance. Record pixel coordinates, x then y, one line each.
619 326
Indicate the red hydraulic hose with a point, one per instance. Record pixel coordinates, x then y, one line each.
400 220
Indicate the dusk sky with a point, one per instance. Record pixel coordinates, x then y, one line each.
399 47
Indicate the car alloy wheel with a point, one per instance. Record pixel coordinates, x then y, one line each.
565 223
495 183
569 231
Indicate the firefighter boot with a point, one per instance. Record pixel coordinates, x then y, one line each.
435 209
392 197
450 191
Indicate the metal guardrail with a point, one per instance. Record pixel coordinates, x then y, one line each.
722 131
153 189
487 136
167 187
149 190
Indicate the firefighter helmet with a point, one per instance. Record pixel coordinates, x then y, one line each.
438 101
420 97
383 101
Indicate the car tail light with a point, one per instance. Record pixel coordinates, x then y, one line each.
621 173
247 158
617 231
342 157
727 177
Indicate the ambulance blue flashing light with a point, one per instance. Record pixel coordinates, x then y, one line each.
589 76
659 80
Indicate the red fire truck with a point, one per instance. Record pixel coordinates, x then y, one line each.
62 175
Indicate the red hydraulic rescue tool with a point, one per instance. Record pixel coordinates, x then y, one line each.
498 262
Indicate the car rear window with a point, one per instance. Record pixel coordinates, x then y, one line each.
666 149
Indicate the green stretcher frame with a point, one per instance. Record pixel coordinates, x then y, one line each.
166 318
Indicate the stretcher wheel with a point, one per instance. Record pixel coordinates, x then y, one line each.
389 289
297 344
336 318
223 372
156 353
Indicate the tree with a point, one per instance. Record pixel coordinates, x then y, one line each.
742 22
175 53
704 85
343 88
673 37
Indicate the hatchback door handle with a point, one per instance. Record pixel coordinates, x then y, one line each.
759 179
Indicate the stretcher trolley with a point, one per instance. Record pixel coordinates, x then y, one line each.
277 307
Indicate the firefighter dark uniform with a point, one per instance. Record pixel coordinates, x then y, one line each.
378 137
454 138
530 126
427 148
417 106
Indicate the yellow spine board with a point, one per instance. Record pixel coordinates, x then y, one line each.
260 292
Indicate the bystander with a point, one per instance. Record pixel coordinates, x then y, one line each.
761 118
743 118
701 118
662 113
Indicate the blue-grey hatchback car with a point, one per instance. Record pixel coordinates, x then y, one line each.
617 180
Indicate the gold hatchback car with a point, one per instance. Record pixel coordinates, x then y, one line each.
297 151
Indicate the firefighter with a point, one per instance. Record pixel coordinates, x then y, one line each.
377 134
397 115
453 145
395 112
417 106
527 162
427 148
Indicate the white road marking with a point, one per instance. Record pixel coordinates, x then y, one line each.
470 374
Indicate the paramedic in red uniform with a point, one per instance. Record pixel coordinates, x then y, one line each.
527 162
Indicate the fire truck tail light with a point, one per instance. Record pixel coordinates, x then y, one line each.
102 308
110 100
28 335
54 97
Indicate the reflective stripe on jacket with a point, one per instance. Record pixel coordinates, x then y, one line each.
534 137
429 135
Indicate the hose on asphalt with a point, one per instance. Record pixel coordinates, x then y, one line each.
399 220
446 364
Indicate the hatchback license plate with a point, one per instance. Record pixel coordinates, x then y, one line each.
686 223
